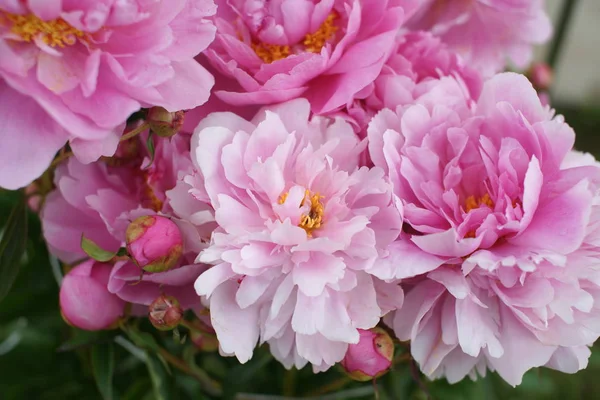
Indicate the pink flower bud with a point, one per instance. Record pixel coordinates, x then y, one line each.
34 198
204 342
371 357
541 76
165 313
154 243
85 301
164 123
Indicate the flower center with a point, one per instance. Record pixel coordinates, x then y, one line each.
54 33
313 42
314 218
472 203
270 52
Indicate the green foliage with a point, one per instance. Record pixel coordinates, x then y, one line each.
103 365
12 245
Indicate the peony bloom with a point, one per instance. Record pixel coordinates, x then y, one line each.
326 51
75 71
501 234
421 68
299 229
487 32
85 302
101 199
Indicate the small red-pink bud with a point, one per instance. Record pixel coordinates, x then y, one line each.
371 357
165 313
204 342
34 198
154 243
165 123
541 76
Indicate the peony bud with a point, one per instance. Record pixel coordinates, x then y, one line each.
34 198
164 123
204 342
541 76
371 357
154 243
165 313
85 301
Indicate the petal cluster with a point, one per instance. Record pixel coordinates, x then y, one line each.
300 226
503 218
75 72
326 51
99 200
487 32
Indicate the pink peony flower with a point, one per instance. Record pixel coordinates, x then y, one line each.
75 71
487 32
85 302
421 68
327 51
101 199
501 234
299 228
371 357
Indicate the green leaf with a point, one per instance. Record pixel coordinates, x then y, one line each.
142 339
150 148
158 376
94 251
12 246
103 365
85 339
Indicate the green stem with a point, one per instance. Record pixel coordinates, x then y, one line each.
209 385
331 386
561 30
135 131
60 158
289 382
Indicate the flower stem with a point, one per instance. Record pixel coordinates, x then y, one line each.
135 131
60 158
211 387
561 31
331 386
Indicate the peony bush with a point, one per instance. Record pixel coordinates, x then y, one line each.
354 189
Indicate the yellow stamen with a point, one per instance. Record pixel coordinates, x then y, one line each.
270 52
55 33
314 218
472 203
313 42
282 198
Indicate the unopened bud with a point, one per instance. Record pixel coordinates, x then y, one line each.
371 357
204 342
154 243
165 313
541 76
165 123
34 198
85 301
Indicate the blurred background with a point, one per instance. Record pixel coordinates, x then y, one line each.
43 358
